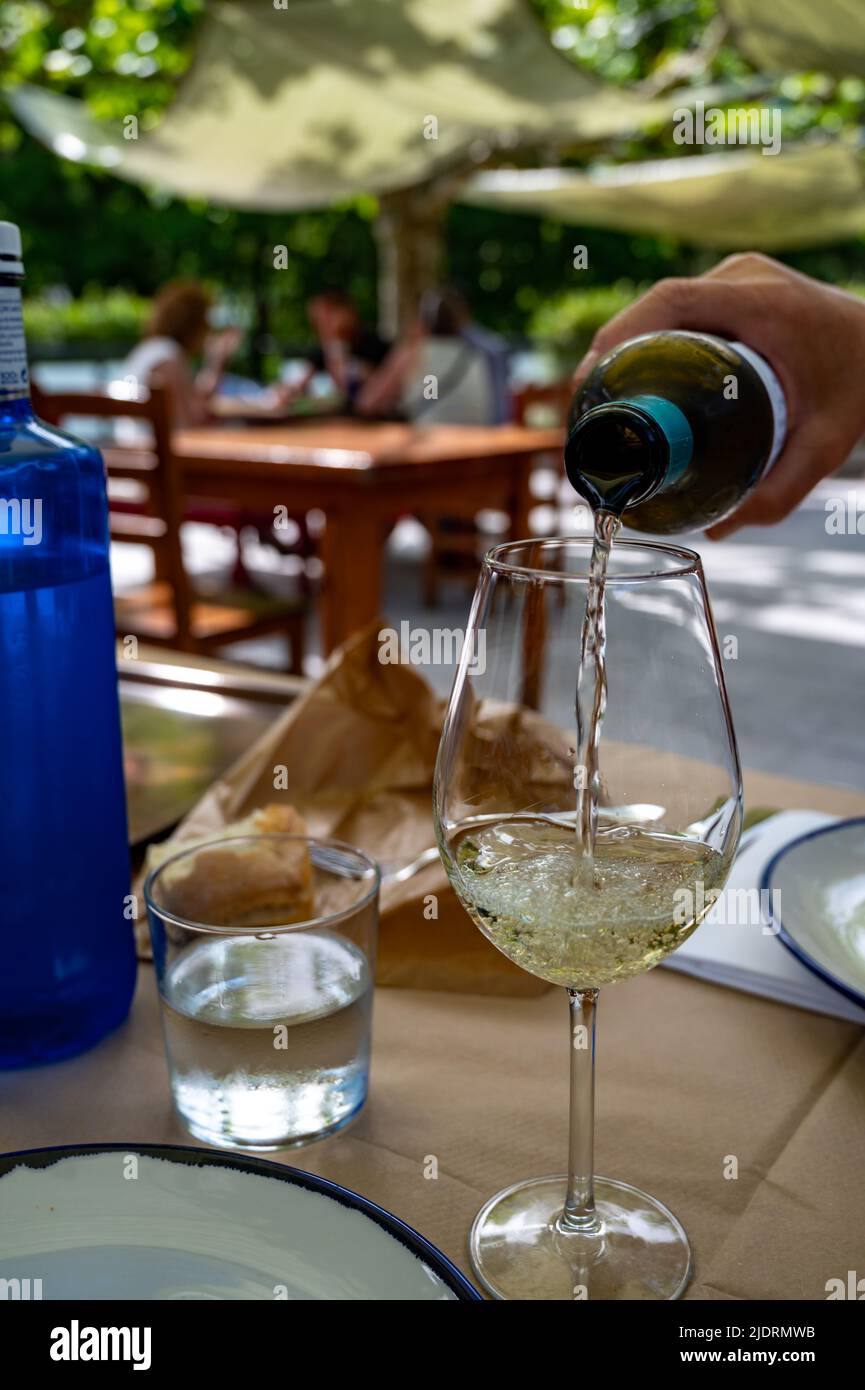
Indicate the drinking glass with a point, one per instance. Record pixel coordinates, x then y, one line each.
668 822
264 947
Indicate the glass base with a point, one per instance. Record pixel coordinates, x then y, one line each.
518 1249
219 1139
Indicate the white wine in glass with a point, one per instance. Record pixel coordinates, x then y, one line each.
584 900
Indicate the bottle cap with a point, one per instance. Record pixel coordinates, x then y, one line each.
677 433
10 250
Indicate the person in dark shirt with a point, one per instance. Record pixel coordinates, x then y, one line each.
347 350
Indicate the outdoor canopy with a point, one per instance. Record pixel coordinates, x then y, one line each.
800 35
302 105
800 197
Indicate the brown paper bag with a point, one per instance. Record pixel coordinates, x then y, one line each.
355 755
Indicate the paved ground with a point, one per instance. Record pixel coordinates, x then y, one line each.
793 596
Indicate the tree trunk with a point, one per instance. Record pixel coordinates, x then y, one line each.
259 336
410 237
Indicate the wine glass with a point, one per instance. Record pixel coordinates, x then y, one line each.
668 818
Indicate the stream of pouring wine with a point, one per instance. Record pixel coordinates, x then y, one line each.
591 699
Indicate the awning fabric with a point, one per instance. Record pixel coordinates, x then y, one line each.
800 35
300 106
800 197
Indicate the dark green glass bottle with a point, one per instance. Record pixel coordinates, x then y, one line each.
671 430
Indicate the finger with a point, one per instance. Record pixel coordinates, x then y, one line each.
803 462
705 304
749 265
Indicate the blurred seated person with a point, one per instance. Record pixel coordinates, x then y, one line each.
177 333
444 372
347 350
494 348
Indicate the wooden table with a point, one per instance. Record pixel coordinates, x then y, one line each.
363 476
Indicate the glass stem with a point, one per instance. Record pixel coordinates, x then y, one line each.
579 1213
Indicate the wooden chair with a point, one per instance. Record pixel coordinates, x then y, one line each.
457 543
168 611
457 548
543 405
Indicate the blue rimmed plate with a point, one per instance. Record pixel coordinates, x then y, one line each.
146 1222
816 887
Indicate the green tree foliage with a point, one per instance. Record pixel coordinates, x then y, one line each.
83 229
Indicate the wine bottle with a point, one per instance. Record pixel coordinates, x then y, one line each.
671 430
68 967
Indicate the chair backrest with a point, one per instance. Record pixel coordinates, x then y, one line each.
162 481
551 400
152 406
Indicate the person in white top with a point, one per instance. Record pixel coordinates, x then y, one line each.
436 375
178 331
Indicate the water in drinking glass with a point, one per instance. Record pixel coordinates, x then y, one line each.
268 1035
264 946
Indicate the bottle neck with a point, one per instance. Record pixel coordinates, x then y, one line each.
625 451
14 375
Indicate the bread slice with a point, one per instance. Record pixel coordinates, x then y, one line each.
263 884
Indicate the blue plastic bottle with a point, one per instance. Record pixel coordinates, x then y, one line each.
67 956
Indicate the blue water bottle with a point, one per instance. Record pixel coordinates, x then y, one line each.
67 954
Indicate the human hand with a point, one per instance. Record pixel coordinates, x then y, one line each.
223 345
812 334
283 394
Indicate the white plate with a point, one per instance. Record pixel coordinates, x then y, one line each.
166 1222
817 888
